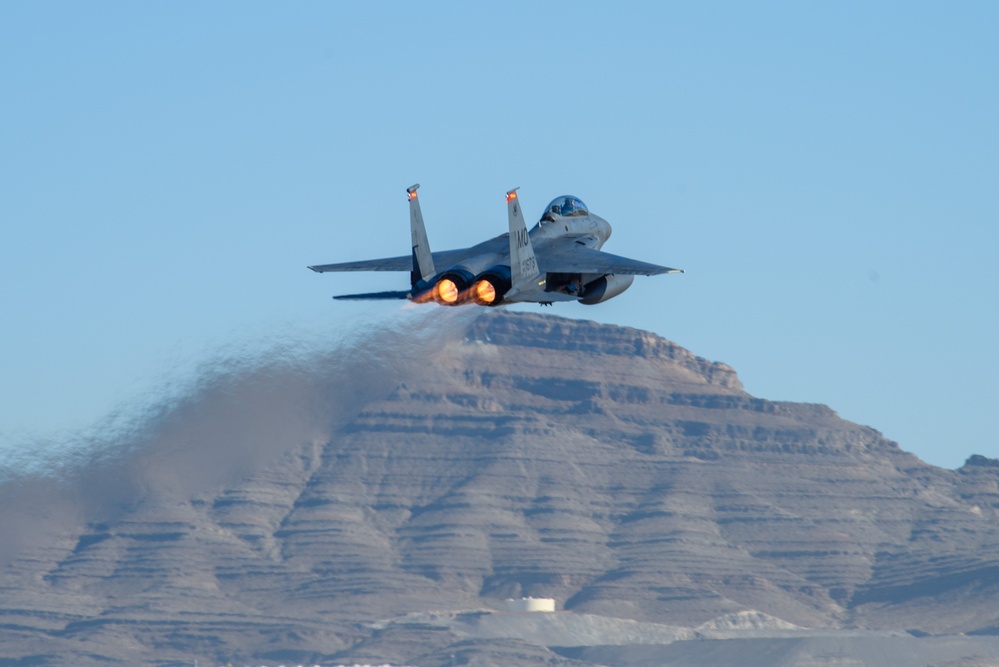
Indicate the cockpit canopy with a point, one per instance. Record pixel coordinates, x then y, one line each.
563 206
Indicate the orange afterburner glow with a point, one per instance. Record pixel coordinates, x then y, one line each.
412 195
485 293
447 291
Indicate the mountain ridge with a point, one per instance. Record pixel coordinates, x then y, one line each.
518 454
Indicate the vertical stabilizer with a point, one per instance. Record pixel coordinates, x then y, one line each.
423 261
524 274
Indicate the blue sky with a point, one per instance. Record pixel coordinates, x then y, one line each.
825 172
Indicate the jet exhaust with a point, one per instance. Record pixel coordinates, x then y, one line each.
242 408
447 292
455 286
491 285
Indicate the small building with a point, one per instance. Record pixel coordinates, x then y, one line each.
531 604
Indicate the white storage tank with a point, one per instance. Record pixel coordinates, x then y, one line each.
531 604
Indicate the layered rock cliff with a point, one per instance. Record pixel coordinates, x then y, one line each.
527 455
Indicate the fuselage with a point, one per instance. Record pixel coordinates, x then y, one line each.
485 277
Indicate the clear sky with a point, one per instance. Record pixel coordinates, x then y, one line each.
826 173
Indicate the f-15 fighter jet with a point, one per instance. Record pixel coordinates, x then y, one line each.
559 259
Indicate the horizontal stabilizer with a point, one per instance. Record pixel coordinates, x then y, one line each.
373 296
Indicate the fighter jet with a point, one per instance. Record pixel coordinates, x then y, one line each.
559 259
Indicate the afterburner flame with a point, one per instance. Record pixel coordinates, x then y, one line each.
447 291
485 292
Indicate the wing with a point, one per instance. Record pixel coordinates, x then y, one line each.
443 259
580 259
386 264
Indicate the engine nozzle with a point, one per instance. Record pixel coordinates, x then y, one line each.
446 292
451 289
490 286
484 293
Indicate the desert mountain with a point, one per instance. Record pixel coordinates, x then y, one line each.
288 510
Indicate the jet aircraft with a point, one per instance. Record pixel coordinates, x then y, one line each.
559 259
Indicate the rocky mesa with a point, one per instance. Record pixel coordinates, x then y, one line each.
520 455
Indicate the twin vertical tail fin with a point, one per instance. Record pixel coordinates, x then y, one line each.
524 272
423 260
